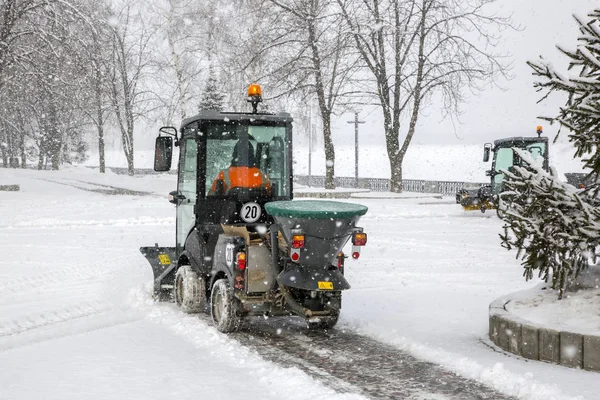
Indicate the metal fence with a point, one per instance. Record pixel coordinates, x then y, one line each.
373 184
383 185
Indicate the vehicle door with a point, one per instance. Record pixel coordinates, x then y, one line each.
186 186
503 160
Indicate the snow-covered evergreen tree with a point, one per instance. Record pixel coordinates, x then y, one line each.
555 227
212 97
581 113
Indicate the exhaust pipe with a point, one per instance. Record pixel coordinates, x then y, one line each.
298 308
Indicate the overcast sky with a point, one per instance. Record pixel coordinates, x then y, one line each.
495 113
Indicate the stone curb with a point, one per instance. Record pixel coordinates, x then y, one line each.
537 342
9 188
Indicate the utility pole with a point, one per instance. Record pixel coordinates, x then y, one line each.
356 122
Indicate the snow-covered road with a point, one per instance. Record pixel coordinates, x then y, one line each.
77 321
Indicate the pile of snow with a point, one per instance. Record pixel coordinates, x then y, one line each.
577 312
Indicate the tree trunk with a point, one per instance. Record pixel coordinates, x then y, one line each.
100 117
101 156
43 151
130 164
23 152
3 146
392 128
416 107
324 110
396 173
54 138
329 153
129 152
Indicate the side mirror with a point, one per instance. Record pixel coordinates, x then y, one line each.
486 152
163 153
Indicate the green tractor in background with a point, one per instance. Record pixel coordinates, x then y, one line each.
504 157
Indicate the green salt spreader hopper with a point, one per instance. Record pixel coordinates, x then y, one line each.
315 232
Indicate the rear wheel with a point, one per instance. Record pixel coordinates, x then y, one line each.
225 309
190 293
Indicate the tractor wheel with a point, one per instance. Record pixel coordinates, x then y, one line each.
324 323
190 290
225 309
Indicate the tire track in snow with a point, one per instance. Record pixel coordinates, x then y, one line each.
101 188
350 362
66 301
56 223
345 361
39 320
58 327
66 276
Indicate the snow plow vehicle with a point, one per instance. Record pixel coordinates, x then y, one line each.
488 196
243 246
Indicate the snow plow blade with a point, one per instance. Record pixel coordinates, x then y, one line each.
162 261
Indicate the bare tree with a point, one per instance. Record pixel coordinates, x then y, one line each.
243 29
322 62
182 26
416 49
129 64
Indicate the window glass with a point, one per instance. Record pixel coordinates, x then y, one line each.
218 158
504 160
187 177
537 151
269 145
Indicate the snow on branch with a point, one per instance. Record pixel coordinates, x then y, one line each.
554 227
581 113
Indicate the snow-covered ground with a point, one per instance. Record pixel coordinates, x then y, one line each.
76 319
578 311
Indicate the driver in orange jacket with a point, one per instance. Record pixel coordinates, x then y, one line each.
242 173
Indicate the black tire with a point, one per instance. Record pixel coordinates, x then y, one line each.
225 309
324 323
189 290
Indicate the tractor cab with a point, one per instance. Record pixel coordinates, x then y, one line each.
230 165
506 158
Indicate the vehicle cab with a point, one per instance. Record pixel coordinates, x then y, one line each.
207 142
505 157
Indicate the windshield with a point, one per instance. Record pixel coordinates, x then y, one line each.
260 149
506 158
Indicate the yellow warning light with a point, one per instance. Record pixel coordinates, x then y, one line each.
539 129
254 90
254 96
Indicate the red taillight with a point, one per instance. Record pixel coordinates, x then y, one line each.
581 186
340 260
297 241
355 255
241 261
359 239
295 256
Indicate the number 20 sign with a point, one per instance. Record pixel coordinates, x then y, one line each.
250 212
